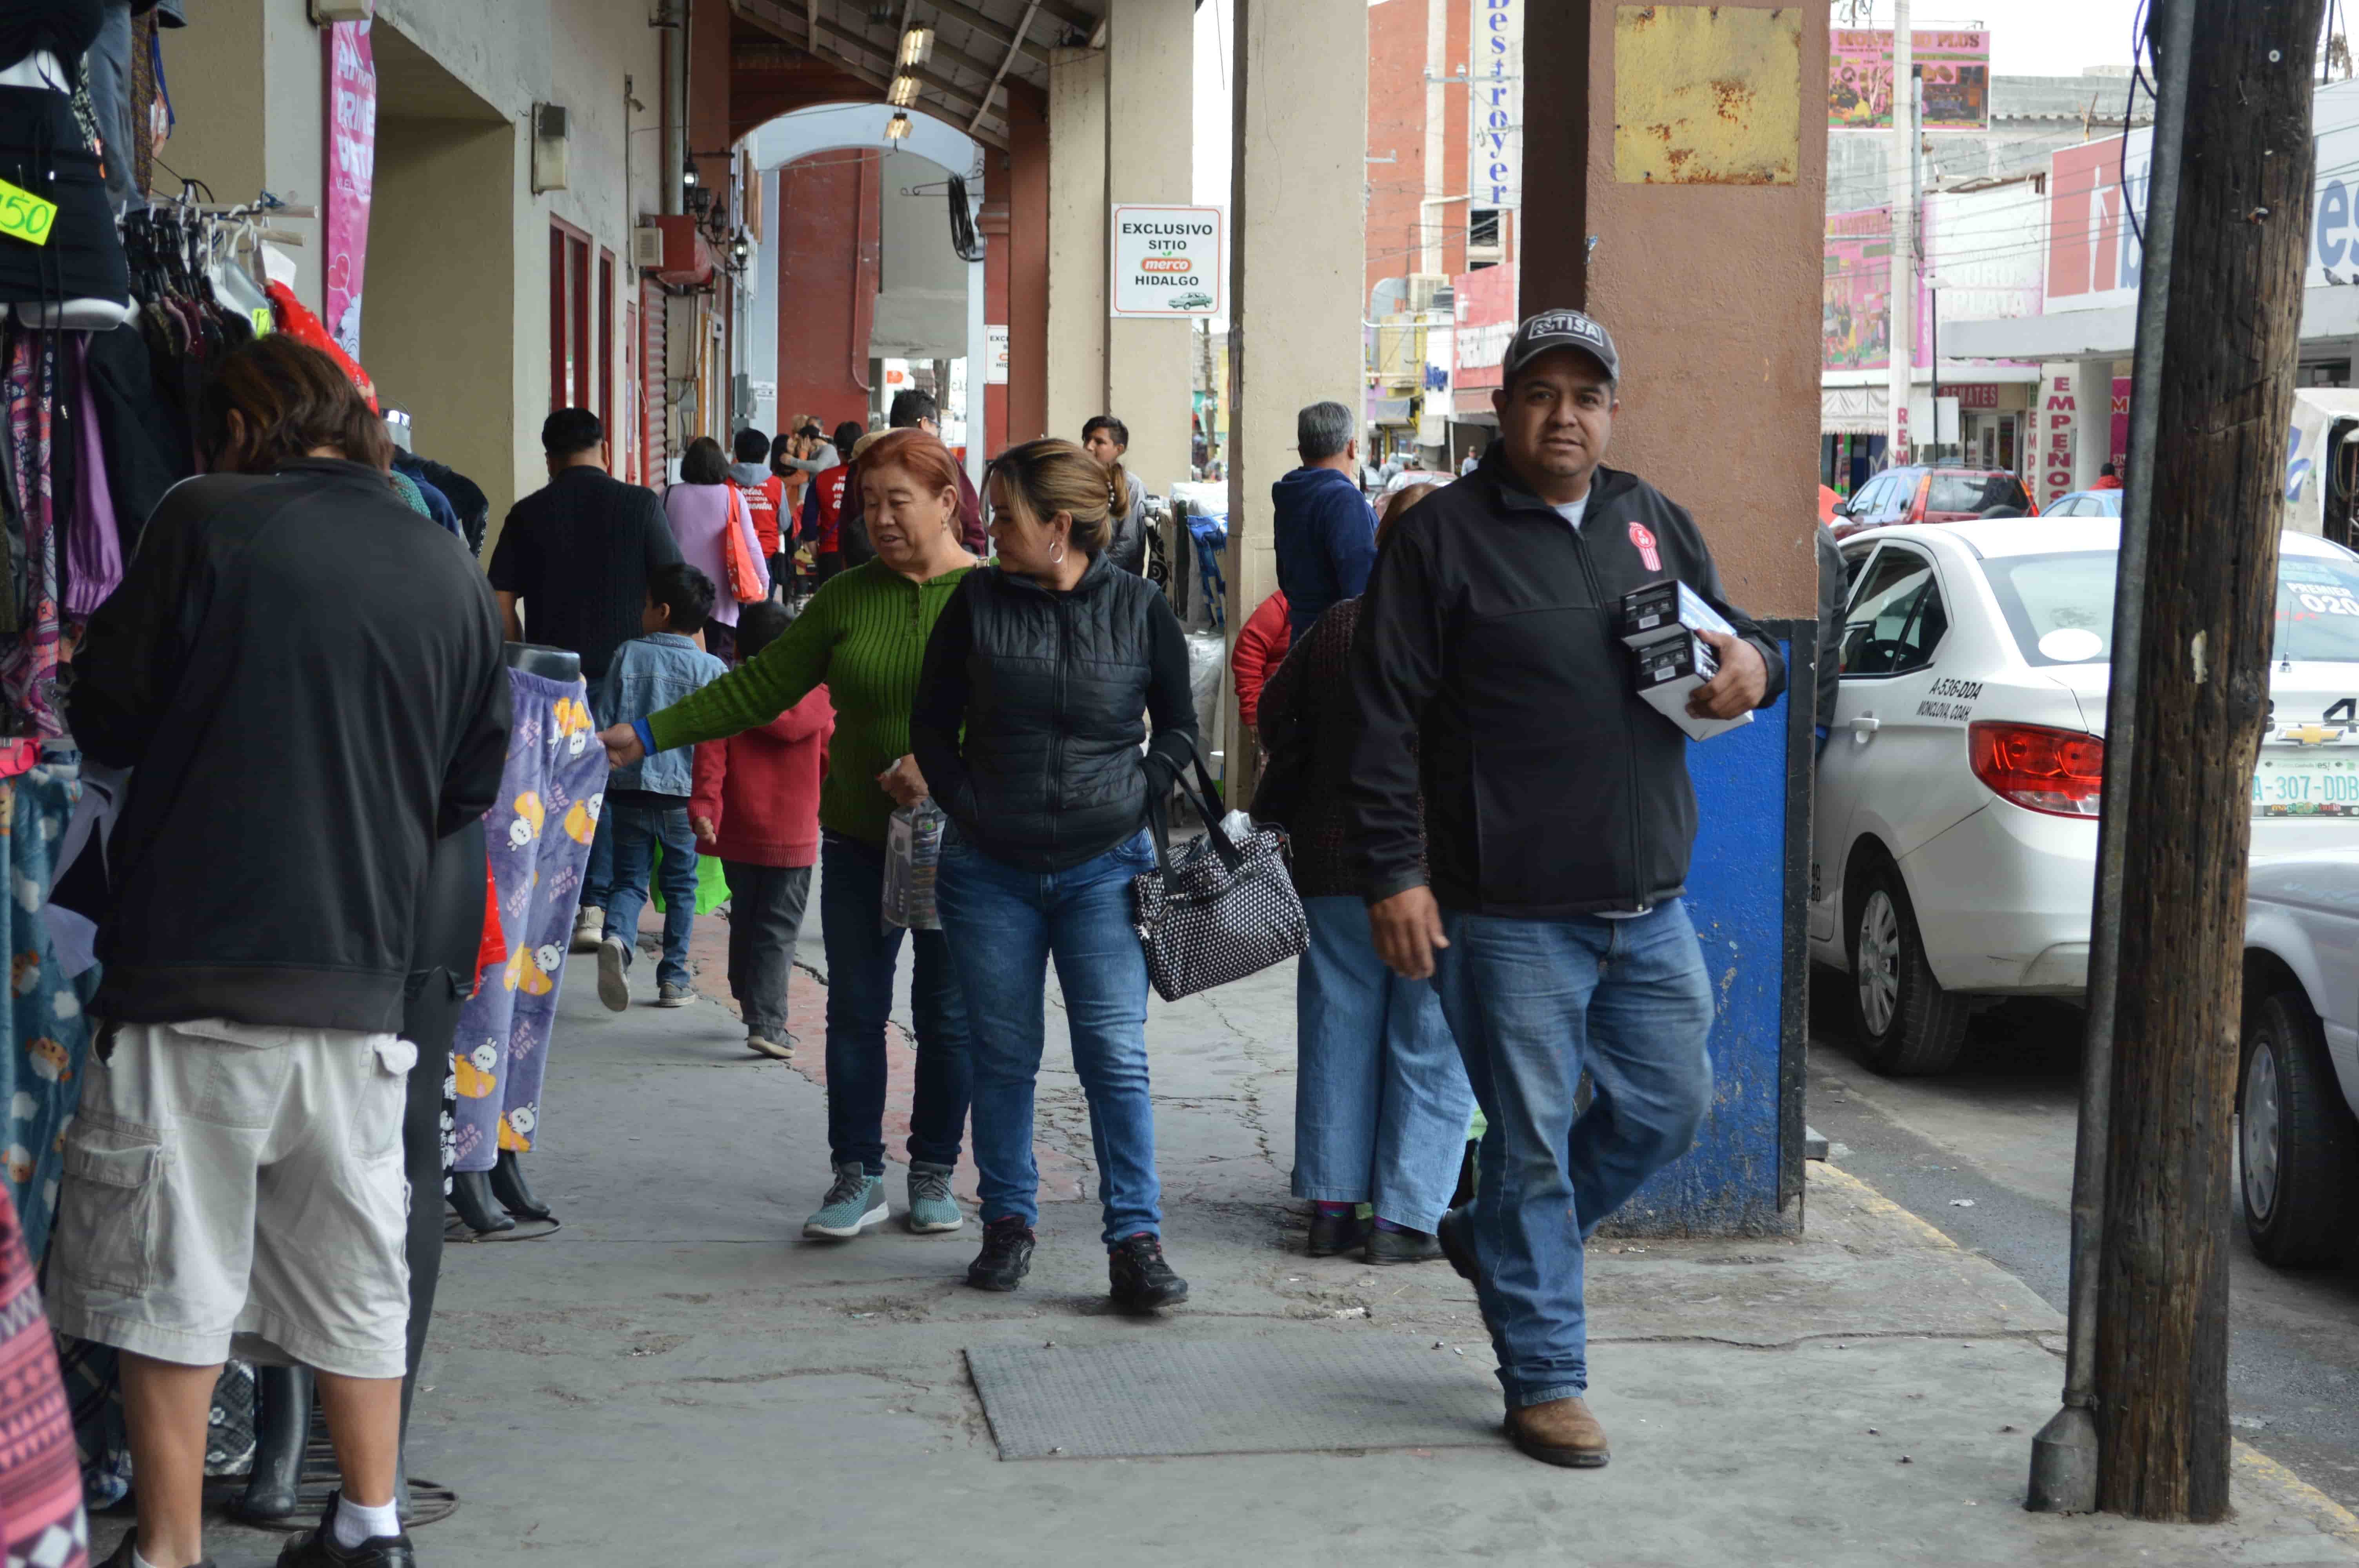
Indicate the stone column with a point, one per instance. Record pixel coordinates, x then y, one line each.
1150 75
2093 420
1077 238
1295 226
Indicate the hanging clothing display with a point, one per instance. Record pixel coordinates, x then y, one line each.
41 1518
539 838
43 150
46 1023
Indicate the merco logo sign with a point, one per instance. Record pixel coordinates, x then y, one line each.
1168 261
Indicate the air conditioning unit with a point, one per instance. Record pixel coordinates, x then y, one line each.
647 247
1423 286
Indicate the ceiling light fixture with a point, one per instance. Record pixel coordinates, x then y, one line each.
898 126
917 46
903 92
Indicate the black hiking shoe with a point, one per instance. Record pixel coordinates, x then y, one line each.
1006 1257
318 1548
1141 1280
1333 1233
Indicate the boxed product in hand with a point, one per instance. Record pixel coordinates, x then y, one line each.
1669 667
1646 612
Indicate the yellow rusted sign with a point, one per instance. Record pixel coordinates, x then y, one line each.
1707 94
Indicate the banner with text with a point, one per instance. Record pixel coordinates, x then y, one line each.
1955 66
352 176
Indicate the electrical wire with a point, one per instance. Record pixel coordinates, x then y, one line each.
963 239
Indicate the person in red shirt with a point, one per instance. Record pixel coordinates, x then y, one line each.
1261 647
756 805
823 501
765 494
2107 479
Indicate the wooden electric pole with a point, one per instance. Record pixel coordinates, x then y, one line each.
2230 347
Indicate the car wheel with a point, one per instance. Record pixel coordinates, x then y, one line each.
2297 1146
1908 1025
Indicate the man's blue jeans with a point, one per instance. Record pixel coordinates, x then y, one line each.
642 822
1381 1102
1004 924
1533 1002
862 953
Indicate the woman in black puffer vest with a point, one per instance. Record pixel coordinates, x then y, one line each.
1031 713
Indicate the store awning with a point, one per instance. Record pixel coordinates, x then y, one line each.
2326 313
1389 411
1852 410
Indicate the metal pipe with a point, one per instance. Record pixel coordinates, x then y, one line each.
2064 1454
1023 26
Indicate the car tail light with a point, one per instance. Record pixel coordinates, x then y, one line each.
2060 771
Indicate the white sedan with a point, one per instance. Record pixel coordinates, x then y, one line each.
2297 1140
1954 844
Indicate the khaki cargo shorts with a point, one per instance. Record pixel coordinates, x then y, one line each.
229 1187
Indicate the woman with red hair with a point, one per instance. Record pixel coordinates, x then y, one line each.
863 633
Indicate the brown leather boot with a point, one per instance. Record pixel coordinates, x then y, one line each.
1560 1431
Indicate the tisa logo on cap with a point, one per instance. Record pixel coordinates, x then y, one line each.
1567 324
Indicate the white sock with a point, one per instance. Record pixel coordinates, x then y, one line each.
356 1522
139 1561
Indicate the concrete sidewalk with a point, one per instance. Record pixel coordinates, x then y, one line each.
674 1377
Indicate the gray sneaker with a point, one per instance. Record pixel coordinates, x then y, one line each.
670 995
931 1208
614 974
854 1203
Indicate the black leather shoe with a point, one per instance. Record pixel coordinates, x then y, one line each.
1141 1280
1333 1233
1455 1235
1006 1257
1401 1246
318 1548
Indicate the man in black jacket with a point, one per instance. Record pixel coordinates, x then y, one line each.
306 678
1558 822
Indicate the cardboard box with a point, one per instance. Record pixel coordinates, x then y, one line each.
1668 667
1646 611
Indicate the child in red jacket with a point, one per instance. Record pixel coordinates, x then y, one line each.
756 808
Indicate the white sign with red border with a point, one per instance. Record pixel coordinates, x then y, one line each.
1168 261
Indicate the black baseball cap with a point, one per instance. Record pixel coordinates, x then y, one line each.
1552 330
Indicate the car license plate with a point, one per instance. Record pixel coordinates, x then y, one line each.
2292 784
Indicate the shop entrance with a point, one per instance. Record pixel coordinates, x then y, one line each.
437 322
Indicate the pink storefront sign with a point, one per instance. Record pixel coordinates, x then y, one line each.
352 176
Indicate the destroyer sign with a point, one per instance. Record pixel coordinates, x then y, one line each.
1168 261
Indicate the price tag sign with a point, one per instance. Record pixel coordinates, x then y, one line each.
24 216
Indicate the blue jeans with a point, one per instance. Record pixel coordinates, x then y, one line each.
640 824
861 955
1532 1004
1003 924
598 876
1381 1102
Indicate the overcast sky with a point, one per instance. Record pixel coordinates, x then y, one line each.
2029 37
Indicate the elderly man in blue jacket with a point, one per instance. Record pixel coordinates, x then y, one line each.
1326 536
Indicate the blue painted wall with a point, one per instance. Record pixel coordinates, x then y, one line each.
1747 909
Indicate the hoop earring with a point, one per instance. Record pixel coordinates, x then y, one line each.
1059 558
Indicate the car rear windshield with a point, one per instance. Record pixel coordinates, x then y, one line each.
2060 607
1975 492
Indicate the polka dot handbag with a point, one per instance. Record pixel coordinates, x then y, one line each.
1223 909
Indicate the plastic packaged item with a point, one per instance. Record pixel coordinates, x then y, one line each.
913 849
1647 612
1667 668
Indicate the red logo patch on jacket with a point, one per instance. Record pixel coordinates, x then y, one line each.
1640 536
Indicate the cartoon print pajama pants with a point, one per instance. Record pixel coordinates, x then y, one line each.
538 835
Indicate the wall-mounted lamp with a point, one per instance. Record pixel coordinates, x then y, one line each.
688 174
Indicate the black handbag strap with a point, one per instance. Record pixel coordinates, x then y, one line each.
1206 799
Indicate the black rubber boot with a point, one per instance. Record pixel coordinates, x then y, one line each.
470 1195
508 1185
282 1429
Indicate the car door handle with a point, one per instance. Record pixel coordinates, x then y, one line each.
1863 726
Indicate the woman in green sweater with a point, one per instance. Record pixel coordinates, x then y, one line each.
864 635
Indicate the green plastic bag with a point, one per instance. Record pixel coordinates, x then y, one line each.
712 884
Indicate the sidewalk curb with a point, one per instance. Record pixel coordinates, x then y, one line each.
2331 1517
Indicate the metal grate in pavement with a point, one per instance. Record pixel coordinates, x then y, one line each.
1295 1394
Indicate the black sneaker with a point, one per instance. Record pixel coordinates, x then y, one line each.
318 1548
1006 1257
1401 1246
1142 1280
1333 1233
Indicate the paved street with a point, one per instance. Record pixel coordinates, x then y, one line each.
1998 1133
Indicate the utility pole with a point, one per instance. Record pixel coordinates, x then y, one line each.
1900 300
2229 345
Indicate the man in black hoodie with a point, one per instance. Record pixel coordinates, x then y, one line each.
307 678
1542 891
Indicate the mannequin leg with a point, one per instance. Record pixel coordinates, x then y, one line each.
429 1021
282 1427
508 1186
